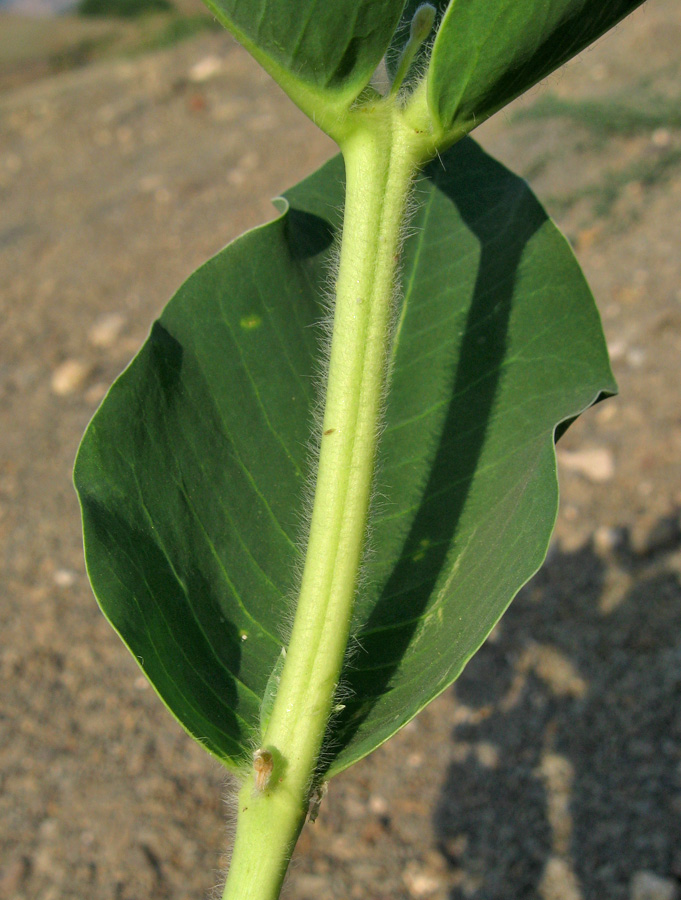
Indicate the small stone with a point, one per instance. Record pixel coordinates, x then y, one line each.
378 805
649 886
661 137
617 350
597 465
69 377
487 755
106 330
556 670
607 539
205 69
419 882
64 578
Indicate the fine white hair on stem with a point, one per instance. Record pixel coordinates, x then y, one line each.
379 498
323 327
230 801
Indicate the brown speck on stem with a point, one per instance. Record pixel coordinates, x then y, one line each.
329 431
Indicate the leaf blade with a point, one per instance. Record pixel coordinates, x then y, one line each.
486 54
191 475
189 384
323 54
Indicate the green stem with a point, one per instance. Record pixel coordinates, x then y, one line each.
380 162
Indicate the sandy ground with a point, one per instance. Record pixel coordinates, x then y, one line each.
553 769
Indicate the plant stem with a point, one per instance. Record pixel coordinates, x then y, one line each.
380 161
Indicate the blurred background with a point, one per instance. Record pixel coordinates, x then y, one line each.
136 139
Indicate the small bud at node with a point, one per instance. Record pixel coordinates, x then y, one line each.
422 22
421 25
263 763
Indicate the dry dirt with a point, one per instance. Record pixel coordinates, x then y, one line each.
553 769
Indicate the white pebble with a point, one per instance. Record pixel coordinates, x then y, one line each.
616 350
420 883
378 805
64 578
205 69
69 377
106 330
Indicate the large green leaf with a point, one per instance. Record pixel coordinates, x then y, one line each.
323 53
487 52
192 473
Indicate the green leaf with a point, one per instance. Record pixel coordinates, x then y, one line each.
192 473
322 53
487 52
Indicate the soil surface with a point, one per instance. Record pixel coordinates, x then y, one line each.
552 769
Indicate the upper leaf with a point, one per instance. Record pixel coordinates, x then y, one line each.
487 52
192 473
322 53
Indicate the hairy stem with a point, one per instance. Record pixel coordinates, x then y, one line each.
380 161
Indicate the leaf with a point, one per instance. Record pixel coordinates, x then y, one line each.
487 52
192 473
323 54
